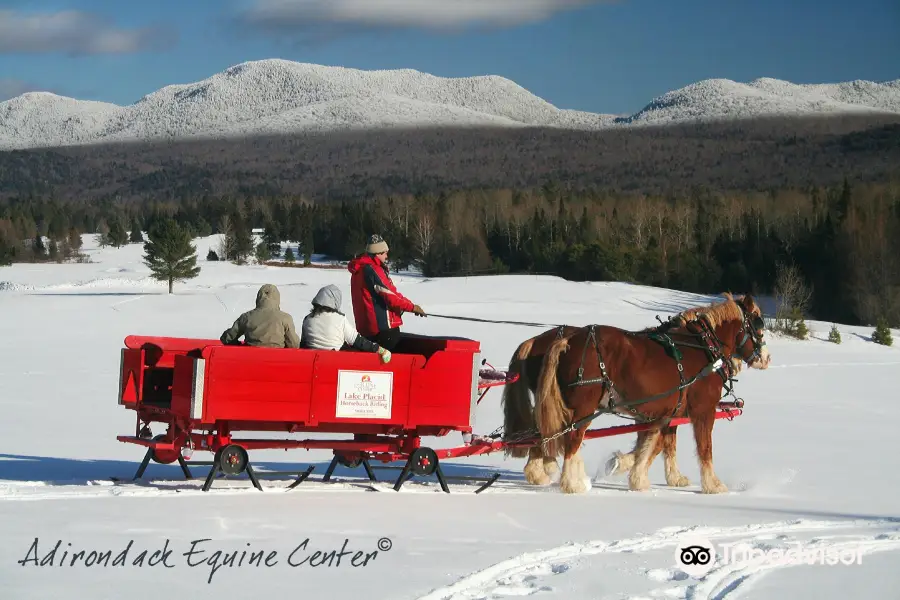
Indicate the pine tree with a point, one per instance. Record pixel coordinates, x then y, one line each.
169 253
117 235
308 244
136 237
7 251
834 335
289 255
243 243
74 239
882 334
263 254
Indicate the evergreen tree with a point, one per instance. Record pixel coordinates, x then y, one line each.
37 246
263 254
169 253
834 335
243 243
117 235
289 255
308 245
7 251
136 236
882 334
74 239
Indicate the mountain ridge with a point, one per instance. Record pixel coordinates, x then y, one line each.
276 96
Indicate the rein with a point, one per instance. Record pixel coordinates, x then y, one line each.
476 320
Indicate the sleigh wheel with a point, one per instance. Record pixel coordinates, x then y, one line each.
233 459
163 457
350 463
423 461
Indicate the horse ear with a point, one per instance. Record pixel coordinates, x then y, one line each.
748 301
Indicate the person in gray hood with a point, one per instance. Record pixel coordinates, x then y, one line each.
266 326
327 328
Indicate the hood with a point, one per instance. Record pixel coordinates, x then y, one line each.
329 297
268 296
359 262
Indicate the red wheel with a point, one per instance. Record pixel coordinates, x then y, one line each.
424 461
163 457
233 459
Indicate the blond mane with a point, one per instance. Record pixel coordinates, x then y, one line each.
717 312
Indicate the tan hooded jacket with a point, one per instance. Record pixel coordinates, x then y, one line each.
266 325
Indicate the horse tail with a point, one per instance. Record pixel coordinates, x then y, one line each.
550 408
518 415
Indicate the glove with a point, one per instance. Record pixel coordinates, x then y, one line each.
417 310
385 355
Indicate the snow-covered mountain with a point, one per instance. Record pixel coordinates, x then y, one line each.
278 96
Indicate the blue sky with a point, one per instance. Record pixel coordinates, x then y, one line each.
607 56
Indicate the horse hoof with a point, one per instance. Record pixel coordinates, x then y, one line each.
551 468
719 488
680 481
574 487
537 477
639 485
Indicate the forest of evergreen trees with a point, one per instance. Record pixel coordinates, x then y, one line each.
845 239
838 228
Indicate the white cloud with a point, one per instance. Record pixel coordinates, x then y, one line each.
430 14
74 32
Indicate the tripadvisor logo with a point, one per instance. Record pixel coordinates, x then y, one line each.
697 556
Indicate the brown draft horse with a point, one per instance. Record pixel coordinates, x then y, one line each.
518 410
609 367
519 417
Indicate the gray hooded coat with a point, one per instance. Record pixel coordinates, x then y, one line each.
326 327
266 325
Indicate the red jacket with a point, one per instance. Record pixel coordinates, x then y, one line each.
377 304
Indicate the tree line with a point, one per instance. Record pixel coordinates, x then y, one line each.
840 243
749 155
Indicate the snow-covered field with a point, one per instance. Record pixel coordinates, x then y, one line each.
812 460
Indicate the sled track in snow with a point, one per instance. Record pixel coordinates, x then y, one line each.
527 574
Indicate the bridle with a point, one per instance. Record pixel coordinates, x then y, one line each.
750 328
750 325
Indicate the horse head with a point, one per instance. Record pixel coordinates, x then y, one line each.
752 345
738 328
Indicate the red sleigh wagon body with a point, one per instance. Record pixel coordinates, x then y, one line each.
205 391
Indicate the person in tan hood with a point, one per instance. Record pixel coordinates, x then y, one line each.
266 326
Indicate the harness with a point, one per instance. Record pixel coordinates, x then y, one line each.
711 344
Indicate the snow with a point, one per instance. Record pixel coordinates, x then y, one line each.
723 99
275 96
811 461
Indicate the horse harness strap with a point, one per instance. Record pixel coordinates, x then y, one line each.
712 346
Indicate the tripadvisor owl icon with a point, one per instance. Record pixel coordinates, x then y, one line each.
695 556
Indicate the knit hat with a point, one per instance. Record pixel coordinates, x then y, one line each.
376 244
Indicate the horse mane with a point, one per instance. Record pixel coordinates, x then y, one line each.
716 313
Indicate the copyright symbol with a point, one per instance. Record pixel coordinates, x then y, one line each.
385 544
